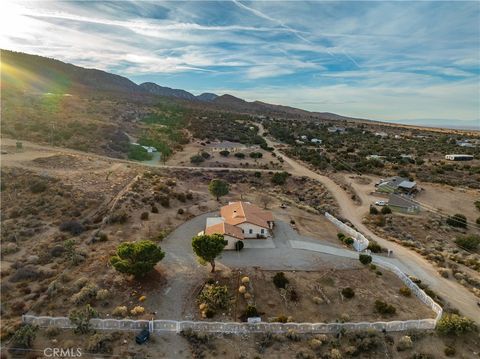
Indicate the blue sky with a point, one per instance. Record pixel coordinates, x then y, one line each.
380 60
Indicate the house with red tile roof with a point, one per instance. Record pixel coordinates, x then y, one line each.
239 221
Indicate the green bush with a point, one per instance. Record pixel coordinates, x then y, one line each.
449 351
348 292
365 259
453 324
373 210
280 280
279 178
24 336
38 187
348 241
138 153
457 220
386 210
144 216
197 159
81 319
256 155
374 247
469 242
73 227
224 153
239 155
384 308
251 311
340 236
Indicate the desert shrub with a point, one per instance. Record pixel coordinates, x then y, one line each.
293 335
154 209
340 236
205 155
52 332
144 216
258 174
197 159
239 155
293 295
81 319
256 155
101 343
469 242
374 247
384 308
404 343
280 280
120 217
24 336
120 311
454 324
449 351
365 259
251 311
386 210
180 211
348 241
215 296
405 291
137 310
38 186
73 227
181 197
189 195
348 292
477 221
239 245
209 313
224 153
279 178
281 319
457 220
85 294
164 201
103 294
373 210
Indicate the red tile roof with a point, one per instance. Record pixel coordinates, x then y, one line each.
240 212
226 229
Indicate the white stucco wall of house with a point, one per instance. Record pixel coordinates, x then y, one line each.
251 230
231 242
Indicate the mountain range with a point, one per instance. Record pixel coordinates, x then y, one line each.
37 74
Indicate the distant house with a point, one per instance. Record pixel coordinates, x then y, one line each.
396 185
226 146
335 129
381 134
239 221
316 141
402 204
459 157
149 149
375 157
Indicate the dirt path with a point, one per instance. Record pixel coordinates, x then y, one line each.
453 292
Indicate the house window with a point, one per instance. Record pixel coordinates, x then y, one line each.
262 231
250 231
243 231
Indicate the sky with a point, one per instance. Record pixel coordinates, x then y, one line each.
388 61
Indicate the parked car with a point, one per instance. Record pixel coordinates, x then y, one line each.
381 203
143 336
283 205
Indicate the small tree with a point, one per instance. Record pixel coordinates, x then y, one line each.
265 199
469 243
24 336
386 210
197 159
218 188
224 153
81 319
137 258
208 247
365 259
373 210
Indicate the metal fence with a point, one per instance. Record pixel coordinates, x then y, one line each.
360 243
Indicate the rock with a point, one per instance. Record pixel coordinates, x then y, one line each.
33 259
